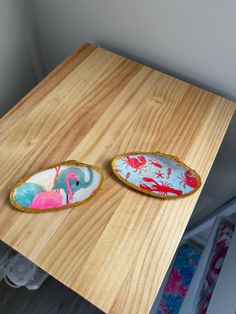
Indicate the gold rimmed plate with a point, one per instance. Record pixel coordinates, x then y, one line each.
156 174
61 186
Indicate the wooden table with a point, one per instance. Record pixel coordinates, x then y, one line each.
116 249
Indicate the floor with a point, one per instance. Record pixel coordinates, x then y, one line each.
51 298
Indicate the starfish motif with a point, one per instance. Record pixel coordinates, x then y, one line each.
159 174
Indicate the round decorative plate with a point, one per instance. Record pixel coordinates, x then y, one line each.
61 186
156 174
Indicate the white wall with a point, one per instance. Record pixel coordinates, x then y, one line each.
220 186
21 65
194 40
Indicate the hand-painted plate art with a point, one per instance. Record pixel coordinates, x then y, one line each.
157 174
61 186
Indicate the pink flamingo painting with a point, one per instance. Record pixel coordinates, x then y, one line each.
54 199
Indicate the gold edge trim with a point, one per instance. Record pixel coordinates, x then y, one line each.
157 153
65 163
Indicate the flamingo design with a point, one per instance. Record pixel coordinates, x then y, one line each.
33 195
61 180
47 199
54 199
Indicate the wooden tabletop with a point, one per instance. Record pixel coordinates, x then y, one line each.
115 249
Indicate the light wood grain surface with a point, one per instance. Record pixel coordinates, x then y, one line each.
116 249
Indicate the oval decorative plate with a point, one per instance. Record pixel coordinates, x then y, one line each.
157 174
61 186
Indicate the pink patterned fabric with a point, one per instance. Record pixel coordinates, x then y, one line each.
223 238
179 280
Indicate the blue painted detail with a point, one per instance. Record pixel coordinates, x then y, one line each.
61 180
25 193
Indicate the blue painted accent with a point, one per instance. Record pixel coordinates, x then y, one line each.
61 180
25 193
